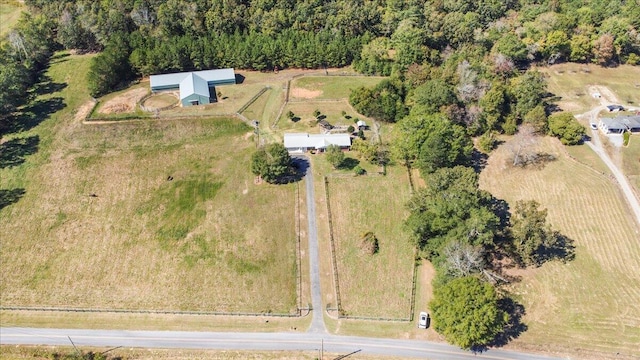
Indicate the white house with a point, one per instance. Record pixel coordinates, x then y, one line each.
301 142
612 126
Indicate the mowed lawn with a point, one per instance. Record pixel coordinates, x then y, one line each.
329 87
372 285
147 215
631 161
571 81
593 302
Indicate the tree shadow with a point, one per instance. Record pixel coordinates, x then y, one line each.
32 114
558 247
514 327
299 167
8 197
47 86
349 163
478 160
13 152
295 119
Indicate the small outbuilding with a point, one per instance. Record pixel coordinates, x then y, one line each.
615 108
302 142
361 125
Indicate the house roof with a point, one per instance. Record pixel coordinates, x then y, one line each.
632 122
317 141
210 76
612 123
361 123
193 84
615 107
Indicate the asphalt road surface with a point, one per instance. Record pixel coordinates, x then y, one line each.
250 342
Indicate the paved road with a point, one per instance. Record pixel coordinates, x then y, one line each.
250 341
317 321
596 145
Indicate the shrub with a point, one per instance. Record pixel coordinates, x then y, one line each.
358 170
488 141
565 126
369 243
316 113
625 138
351 129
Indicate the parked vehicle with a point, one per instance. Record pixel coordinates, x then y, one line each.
424 320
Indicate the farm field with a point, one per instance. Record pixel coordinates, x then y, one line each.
376 285
591 304
571 82
631 161
148 215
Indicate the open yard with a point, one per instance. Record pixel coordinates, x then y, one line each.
593 302
631 161
329 87
305 121
148 215
572 82
377 285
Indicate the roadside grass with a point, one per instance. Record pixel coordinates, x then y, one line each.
151 215
376 285
588 157
631 161
10 11
570 82
21 352
333 87
593 302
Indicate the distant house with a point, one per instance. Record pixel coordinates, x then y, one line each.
612 126
195 87
301 142
615 108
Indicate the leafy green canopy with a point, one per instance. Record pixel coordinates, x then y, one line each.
272 163
466 312
432 142
565 126
451 208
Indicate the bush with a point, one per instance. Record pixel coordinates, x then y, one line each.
358 170
565 126
369 243
316 113
488 141
351 129
625 138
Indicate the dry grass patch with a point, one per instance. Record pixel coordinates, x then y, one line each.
572 83
123 102
376 285
631 161
161 100
593 302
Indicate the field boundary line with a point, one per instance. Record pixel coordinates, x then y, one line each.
253 99
298 250
131 311
334 261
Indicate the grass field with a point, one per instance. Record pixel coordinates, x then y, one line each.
593 302
376 285
329 87
571 81
631 161
306 122
9 14
175 220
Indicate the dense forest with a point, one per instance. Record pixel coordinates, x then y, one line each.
457 69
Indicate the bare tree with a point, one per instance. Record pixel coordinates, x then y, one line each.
523 146
463 259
